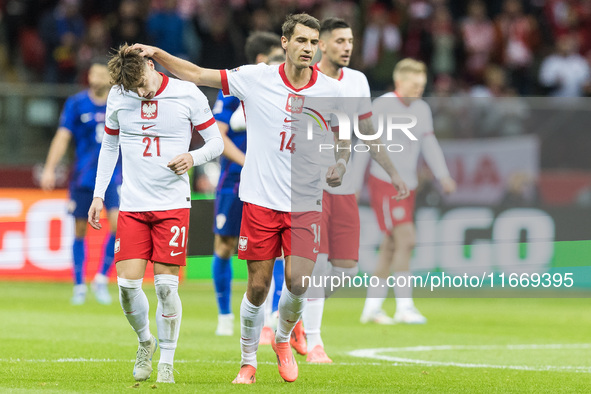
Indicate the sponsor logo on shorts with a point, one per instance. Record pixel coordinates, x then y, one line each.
315 250
243 243
175 253
117 245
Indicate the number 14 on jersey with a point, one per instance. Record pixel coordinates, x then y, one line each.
290 145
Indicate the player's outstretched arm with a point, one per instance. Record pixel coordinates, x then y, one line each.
58 148
183 69
381 157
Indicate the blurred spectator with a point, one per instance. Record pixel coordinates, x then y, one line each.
478 37
519 39
127 26
417 38
223 43
166 29
448 107
95 45
260 20
381 46
62 30
443 56
565 73
495 83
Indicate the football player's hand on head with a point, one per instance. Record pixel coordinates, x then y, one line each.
145 50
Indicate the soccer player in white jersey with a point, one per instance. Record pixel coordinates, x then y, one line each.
271 219
152 117
339 242
396 217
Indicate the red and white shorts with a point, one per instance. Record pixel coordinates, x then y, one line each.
158 236
265 232
389 211
340 226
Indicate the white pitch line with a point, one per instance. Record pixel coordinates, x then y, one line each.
376 354
110 360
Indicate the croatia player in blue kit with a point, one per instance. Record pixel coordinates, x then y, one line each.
260 47
83 120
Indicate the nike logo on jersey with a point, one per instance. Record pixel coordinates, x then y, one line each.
175 254
289 120
147 127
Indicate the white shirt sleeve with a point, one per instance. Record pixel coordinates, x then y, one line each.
214 145
239 81
107 161
111 120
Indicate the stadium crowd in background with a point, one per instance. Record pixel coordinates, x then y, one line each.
462 42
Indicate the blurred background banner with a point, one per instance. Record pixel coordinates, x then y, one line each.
483 168
36 235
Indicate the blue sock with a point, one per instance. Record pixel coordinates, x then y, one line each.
278 277
108 255
79 252
222 280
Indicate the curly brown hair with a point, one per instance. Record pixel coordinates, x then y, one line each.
126 68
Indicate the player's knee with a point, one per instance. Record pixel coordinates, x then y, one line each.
298 285
349 272
225 246
257 293
129 289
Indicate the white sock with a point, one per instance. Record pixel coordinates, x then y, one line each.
343 274
169 313
403 294
101 279
290 311
375 297
312 319
319 276
268 304
251 325
135 306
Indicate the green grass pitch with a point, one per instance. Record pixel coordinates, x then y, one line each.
469 345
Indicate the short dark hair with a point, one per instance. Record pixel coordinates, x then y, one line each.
303 19
260 43
330 24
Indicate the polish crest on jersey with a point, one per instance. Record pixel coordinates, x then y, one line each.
295 103
149 109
